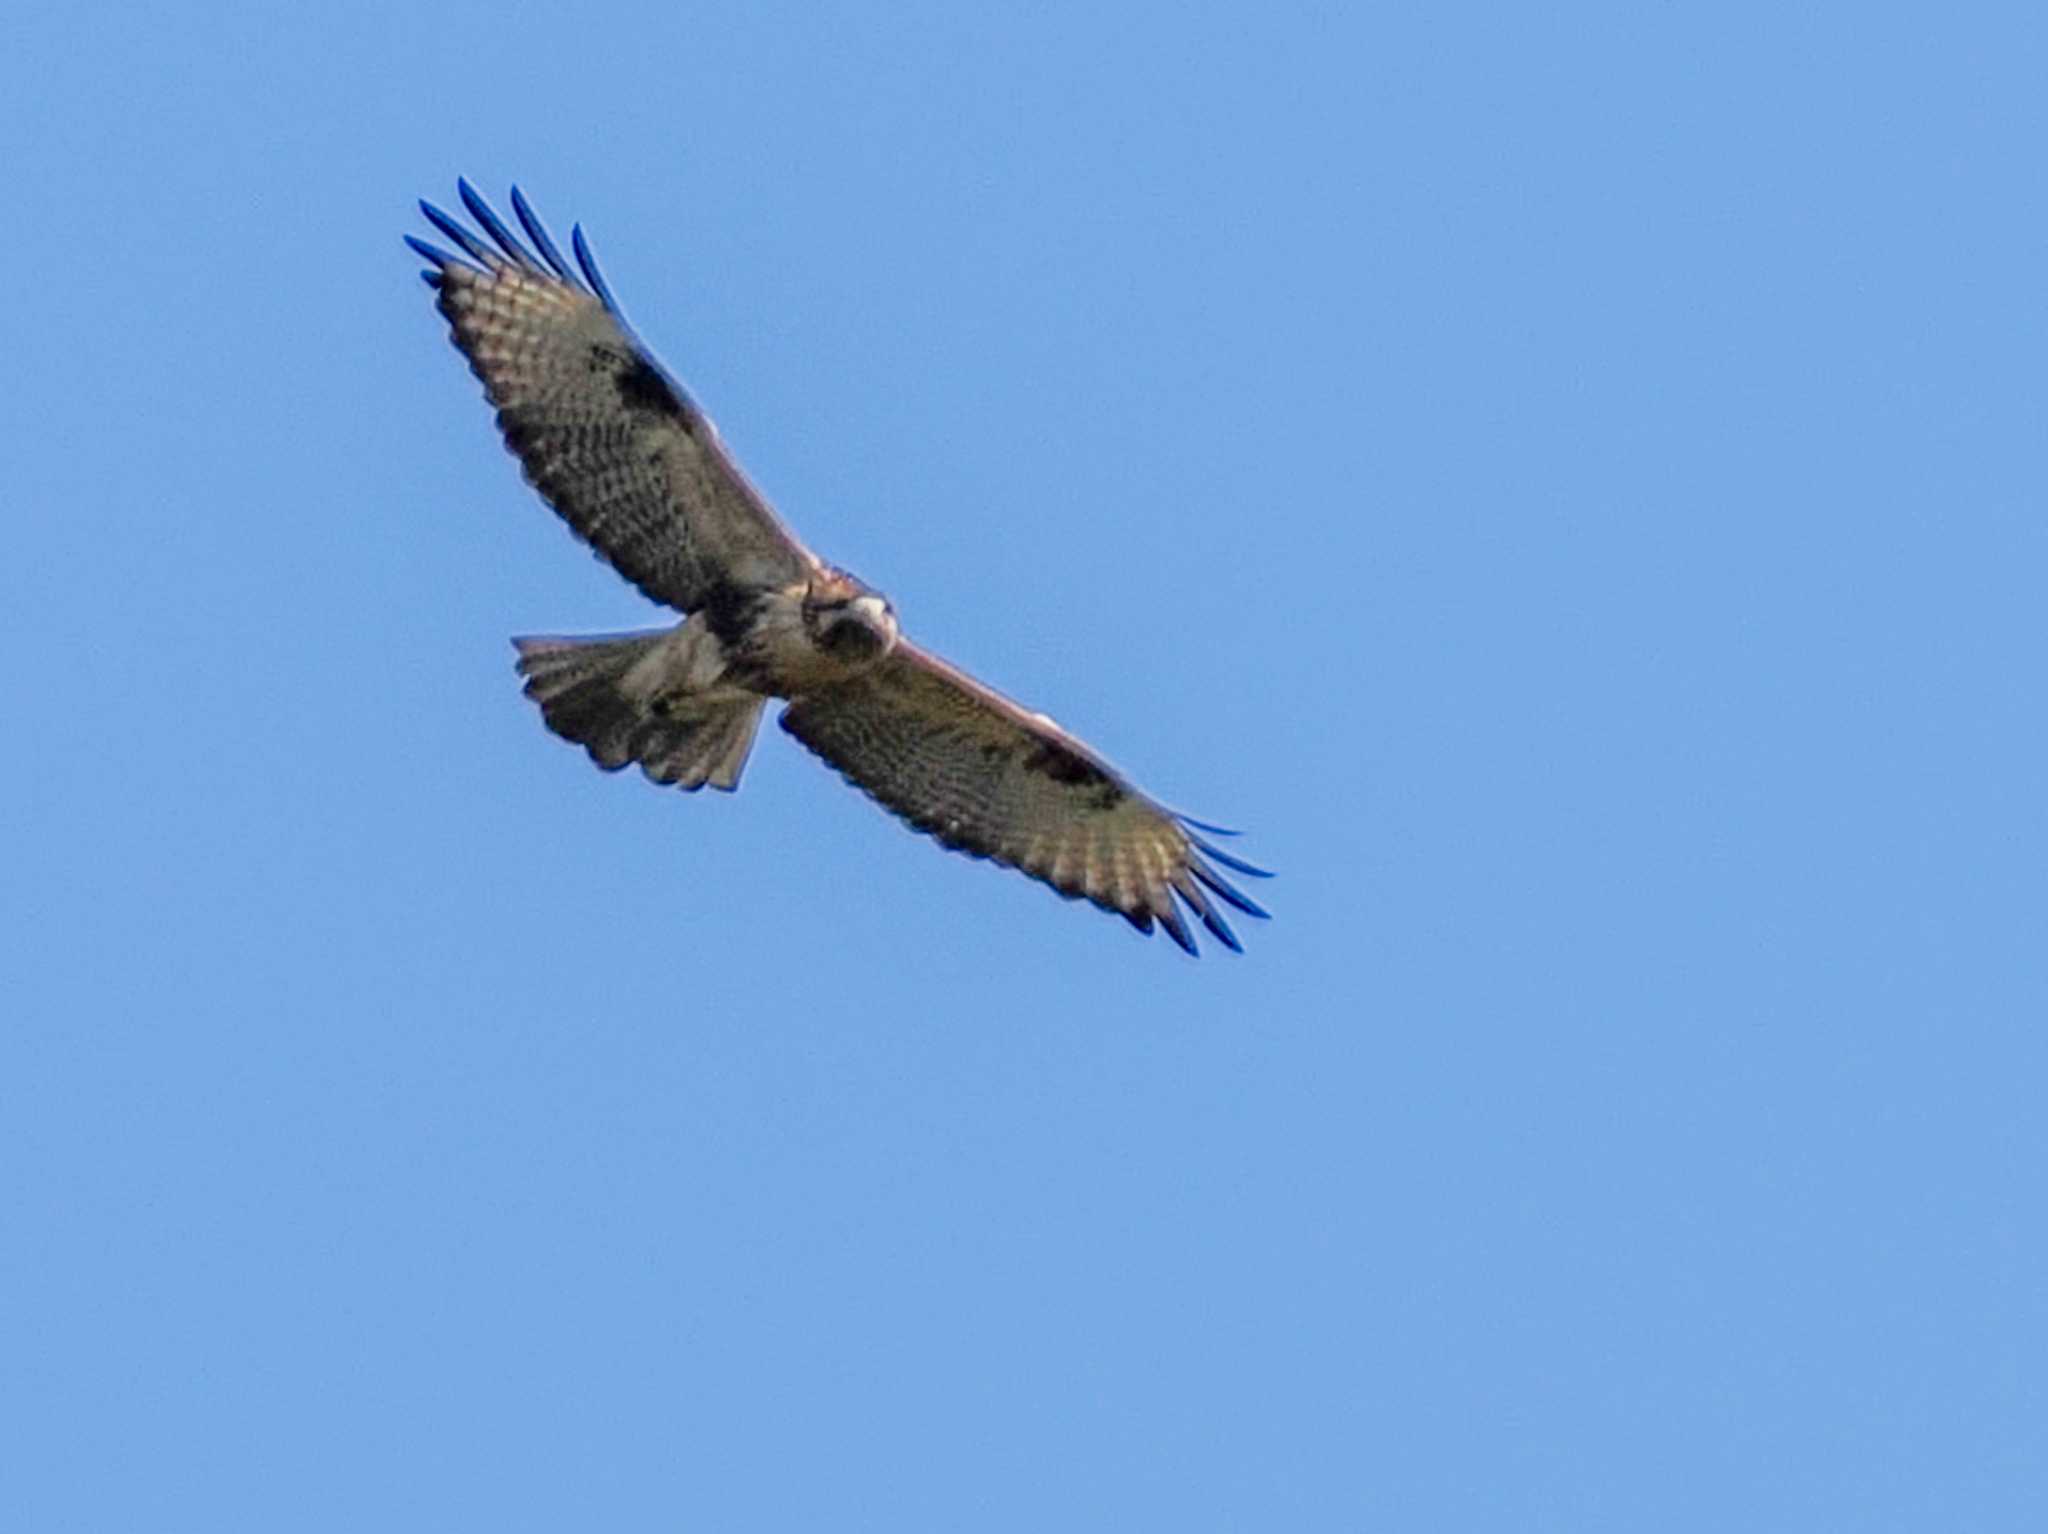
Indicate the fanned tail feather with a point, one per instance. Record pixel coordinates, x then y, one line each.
577 683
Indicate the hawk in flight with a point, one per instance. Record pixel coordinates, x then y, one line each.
622 452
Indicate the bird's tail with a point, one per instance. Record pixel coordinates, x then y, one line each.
583 689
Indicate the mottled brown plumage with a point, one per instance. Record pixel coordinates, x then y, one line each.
636 469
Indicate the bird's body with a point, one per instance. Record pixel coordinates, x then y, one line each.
636 469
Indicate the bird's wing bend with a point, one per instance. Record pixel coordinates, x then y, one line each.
609 439
983 776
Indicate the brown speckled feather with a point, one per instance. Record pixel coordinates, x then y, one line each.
986 777
609 440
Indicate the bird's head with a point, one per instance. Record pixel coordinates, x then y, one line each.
849 621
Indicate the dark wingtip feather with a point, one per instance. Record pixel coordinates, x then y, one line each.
537 232
472 247
494 226
1191 896
1203 825
433 254
1251 870
1177 929
1227 891
1213 920
588 262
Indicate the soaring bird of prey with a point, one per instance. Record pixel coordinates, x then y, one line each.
621 451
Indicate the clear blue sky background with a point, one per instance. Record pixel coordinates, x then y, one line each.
1567 480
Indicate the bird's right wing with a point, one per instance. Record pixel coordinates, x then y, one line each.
612 443
984 776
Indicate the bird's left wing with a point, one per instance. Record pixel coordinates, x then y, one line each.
609 439
984 776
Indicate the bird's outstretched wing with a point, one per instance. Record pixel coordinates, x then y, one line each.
613 443
983 776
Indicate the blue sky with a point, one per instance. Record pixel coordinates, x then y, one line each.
1566 482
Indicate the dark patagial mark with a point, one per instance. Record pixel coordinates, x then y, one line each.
641 386
1052 760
